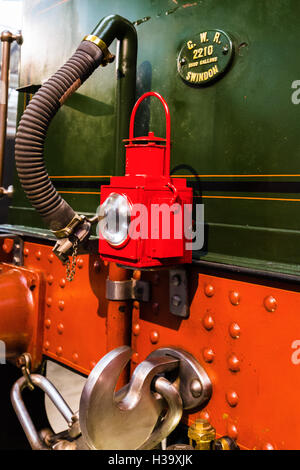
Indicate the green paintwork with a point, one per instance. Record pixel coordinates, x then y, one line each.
243 124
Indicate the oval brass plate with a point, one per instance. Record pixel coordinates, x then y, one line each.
204 57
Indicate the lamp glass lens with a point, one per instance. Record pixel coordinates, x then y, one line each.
116 211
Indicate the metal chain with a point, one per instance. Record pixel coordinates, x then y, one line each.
71 266
24 362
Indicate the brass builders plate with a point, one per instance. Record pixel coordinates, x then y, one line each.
205 57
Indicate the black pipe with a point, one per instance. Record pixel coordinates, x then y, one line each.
33 127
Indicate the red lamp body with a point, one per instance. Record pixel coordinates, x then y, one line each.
147 182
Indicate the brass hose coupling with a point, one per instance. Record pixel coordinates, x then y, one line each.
108 57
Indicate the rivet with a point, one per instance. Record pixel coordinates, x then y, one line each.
234 297
204 415
135 358
232 431
233 363
270 303
196 388
75 357
60 328
26 252
232 398
155 308
234 330
47 323
208 322
61 304
62 283
136 305
50 279
46 345
59 350
49 301
97 266
208 355
154 337
38 255
267 446
92 364
80 263
136 329
50 257
209 290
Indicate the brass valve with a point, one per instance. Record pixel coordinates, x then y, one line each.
201 434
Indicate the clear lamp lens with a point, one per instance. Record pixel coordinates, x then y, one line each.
116 213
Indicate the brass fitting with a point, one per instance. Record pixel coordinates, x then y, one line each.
201 434
69 229
108 57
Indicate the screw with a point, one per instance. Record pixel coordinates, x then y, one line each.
196 388
176 300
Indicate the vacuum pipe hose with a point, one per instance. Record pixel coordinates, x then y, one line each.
35 121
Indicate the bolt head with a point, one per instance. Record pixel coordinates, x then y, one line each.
176 300
196 388
176 281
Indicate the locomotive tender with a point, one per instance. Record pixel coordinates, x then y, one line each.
159 259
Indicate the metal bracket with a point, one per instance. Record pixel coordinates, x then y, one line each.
178 292
130 289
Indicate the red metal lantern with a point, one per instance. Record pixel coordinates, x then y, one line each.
146 214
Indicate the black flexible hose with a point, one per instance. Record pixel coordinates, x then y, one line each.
32 130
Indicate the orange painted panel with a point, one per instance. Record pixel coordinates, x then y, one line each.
79 324
21 313
245 335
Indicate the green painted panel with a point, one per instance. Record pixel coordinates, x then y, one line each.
243 124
